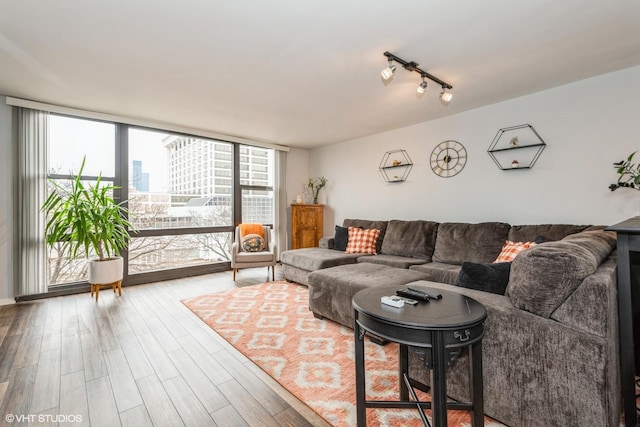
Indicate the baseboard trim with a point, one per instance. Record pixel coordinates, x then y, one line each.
7 301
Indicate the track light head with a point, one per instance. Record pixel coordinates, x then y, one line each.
445 96
388 72
422 87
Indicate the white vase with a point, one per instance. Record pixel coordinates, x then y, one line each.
105 272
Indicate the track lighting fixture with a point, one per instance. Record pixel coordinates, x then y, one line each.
422 87
445 96
388 73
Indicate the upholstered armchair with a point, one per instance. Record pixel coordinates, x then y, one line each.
247 251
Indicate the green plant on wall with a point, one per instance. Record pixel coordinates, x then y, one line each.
628 174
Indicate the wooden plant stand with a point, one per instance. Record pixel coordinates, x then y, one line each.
115 285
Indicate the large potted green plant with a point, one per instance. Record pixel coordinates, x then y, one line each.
87 218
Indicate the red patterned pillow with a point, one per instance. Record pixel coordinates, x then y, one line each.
362 241
511 249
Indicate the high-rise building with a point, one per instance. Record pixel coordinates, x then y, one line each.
203 168
139 180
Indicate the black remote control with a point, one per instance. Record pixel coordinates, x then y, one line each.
418 296
429 292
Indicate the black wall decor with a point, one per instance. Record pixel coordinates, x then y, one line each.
516 147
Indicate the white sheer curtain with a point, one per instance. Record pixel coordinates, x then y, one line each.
280 193
30 252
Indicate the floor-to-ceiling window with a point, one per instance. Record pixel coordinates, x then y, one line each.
185 194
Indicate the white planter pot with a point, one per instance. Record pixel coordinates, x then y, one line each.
105 272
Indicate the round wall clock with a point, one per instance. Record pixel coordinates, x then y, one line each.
448 158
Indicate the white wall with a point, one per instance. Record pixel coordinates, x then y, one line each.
6 208
587 126
297 172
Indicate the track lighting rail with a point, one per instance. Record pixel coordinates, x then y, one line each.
412 66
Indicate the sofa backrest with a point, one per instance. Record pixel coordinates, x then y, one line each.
458 242
415 239
549 232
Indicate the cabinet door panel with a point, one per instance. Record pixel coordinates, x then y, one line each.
306 225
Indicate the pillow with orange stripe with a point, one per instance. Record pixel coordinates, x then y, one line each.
511 249
362 241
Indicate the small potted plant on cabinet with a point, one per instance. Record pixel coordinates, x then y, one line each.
87 218
316 186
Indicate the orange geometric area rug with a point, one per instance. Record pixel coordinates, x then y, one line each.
313 359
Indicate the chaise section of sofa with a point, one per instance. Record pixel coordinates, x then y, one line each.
298 263
332 289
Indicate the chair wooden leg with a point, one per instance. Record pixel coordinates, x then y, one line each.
273 273
234 274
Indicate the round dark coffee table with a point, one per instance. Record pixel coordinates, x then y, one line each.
436 331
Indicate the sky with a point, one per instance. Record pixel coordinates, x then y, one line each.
96 140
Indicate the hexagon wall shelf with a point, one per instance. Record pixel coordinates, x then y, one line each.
395 166
516 147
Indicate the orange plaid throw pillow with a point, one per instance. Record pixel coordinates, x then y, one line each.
362 241
511 249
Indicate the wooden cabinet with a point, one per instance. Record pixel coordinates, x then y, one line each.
306 225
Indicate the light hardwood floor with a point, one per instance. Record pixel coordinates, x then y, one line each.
142 359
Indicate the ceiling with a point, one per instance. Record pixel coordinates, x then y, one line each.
303 73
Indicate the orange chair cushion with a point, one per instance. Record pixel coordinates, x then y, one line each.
246 229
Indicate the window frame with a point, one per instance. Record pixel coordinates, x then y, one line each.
121 180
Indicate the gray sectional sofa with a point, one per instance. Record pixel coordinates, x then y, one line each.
550 350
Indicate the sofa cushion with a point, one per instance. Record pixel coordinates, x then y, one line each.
362 241
392 260
331 290
492 278
311 259
365 223
439 272
459 242
341 238
549 232
414 239
544 276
